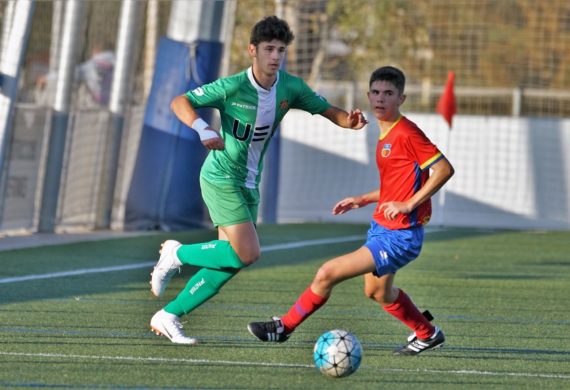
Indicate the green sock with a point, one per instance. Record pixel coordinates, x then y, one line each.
202 286
215 254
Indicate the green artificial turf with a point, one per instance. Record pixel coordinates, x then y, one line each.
501 297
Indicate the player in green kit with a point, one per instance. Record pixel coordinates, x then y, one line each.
251 105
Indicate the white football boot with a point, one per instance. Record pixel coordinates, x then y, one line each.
168 264
168 325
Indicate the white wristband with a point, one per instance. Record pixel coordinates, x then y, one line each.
200 125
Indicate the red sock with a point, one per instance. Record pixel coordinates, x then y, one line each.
405 310
307 303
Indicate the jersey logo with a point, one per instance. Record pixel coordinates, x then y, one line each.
197 286
284 104
260 133
244 106
383 257
244 134
386 149
198 91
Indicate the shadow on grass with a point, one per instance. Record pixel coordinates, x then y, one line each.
137 250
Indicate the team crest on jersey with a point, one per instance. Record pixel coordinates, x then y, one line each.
284 104
386 150
198 91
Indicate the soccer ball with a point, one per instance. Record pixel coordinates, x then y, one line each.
337 353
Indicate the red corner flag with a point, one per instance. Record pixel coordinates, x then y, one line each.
446 104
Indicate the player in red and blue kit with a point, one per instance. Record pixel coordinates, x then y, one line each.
405 157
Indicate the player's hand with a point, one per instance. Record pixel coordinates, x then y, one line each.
214 143
392 209
356 119
346 205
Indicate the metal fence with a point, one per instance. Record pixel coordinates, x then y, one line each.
509 58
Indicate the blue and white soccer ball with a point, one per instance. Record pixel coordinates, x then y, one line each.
337 353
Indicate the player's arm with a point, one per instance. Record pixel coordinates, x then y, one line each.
351 120
184 111
441 173
355 202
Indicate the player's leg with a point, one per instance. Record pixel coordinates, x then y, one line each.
332 272
380 288
243 240
201 287
237 246
233 210
217 254
329 274
398 304
392 250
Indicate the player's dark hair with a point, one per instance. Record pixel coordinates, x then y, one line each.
270 28
392 75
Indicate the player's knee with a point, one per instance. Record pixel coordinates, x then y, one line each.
249 257
375 294
369 293
325 276
381 296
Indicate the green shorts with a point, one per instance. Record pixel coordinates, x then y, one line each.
230 204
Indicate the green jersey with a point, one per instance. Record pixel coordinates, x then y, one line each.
250 115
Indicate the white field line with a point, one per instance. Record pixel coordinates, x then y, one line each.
278 365
268 248
63 274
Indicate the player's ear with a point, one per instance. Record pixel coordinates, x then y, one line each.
252 50
403 98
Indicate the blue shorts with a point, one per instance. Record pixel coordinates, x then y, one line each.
393 249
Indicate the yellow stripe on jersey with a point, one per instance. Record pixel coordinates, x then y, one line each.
430 161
